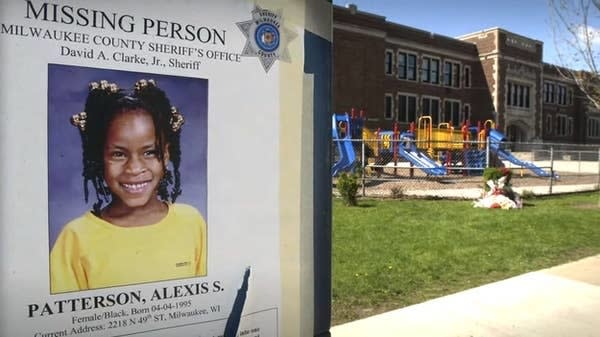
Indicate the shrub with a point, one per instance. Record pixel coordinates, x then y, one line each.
527 194
347 185
494 173
397 192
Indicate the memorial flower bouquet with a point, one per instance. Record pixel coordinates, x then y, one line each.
498 192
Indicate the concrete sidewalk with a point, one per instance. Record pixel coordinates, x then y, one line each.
561 301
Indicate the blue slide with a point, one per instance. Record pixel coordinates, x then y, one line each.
421 161
496 140
346 152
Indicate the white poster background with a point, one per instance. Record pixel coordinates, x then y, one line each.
242 173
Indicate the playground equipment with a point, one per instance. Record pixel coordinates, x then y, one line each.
466 148
497 140
460 151
436 151
426 148
342 136
408 150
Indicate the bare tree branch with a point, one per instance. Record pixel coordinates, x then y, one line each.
577 43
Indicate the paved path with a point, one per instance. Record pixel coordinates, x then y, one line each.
563 301
475 193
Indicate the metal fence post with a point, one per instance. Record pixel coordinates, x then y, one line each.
599 170
362 161
598 186
487 152
551 168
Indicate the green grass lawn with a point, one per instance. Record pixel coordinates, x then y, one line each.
389 254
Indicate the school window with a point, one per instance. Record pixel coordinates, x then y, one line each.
467 112
388 106
402 65
593 127
431 107
407 66
561 125
447 73
430 70
425 69
562 95
411 72
452 112
435 71
518 95
570 126
467 76
451 74
549 92
389 62
456 75
570 97
407 108
549 124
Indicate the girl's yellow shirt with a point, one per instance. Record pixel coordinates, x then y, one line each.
91 253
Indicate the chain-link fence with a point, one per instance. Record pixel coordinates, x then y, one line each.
407 167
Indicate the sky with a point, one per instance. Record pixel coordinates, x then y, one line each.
530 18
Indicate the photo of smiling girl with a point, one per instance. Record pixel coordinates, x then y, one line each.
135 232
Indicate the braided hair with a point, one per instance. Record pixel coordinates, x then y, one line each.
104 101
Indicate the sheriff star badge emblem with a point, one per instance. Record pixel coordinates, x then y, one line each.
266 37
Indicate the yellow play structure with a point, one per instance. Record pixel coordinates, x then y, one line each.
430 139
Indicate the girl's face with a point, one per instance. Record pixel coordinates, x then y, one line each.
132 168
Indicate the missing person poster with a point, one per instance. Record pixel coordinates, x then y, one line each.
165 168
